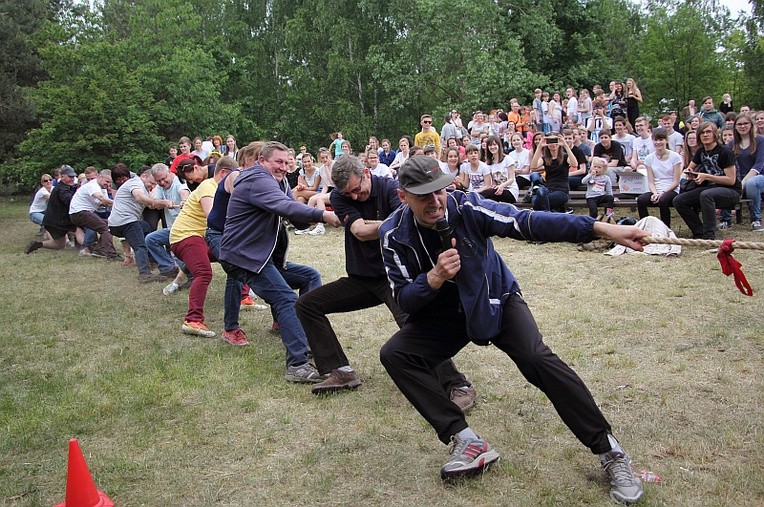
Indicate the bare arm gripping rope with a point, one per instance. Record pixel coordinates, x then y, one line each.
730 266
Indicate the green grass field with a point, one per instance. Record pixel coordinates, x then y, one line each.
670 349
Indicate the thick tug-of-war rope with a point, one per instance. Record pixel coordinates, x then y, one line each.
730 265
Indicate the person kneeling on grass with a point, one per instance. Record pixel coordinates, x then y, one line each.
466 293
56 220
254 246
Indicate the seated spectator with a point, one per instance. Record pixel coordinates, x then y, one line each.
402 155
599 188
576 174
520 160
187 241
643 143
451 160
623 137
712 183
503 185
748 149
612 152
375 166
386 155
82 212
475 175
321 199
125 221
556 163
56 220
40 200
309 181
689 147
664 170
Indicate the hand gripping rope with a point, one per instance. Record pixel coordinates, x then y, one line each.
730 265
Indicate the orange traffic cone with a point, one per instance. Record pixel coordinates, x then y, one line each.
80 488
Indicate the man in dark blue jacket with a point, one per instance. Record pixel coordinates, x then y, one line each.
254 246
456 288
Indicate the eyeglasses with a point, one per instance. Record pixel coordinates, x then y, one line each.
426 121
356 190
707 132
47 181
743 124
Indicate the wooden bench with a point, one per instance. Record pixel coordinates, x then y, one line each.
577 199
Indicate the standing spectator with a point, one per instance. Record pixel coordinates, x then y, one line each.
633 99
708 113
584 107
726 106
428 135
664 170
573 114
689 110
56 220
538 113
199 150
712 184
336 144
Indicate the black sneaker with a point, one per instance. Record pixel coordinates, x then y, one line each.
32 246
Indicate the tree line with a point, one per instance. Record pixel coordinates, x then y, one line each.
94 83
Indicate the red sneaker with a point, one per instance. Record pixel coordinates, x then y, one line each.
236 337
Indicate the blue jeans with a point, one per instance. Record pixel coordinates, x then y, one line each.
36 217
275 286
753 189
546 200
232 294
157 244
135 234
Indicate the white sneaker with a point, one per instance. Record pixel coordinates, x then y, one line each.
302 232
756 225
172 288
318 230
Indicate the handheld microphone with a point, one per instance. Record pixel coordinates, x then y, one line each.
444 231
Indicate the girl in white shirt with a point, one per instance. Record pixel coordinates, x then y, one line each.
475 175
503 186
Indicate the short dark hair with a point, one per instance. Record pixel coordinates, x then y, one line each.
120 171
344 168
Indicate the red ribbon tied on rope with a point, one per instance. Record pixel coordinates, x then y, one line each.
730 266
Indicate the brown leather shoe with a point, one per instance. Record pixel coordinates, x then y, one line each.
338 380
464 397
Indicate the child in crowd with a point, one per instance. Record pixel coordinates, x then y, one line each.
599 189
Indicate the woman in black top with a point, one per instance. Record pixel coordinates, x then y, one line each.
556 159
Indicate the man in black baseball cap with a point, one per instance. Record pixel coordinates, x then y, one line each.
446 275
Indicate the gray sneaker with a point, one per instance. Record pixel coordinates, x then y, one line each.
464 397
337 380
756 226
468 457
625 486
303 373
